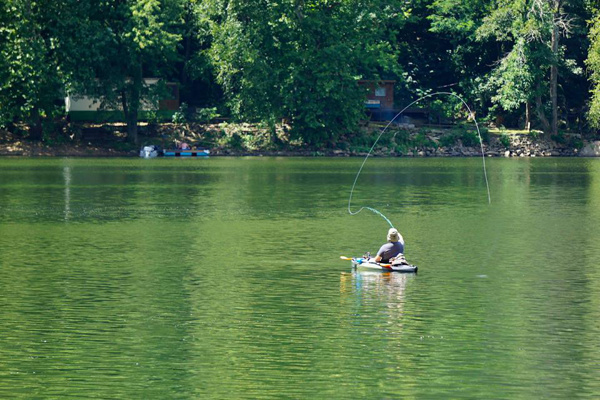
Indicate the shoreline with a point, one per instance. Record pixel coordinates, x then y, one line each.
95 152
416 144
39 150
43 151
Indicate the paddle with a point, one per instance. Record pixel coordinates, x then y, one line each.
388 266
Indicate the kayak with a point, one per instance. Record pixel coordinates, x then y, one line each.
186 153
153 151
364 263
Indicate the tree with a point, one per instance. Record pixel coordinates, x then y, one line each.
299 60
532 30
195 70
126 41
31 77
593 63
463 58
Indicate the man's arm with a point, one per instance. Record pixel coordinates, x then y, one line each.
380 253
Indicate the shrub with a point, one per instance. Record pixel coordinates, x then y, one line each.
257 141
576 143
152 117
559 138
448 140
205 115
401 148
362 139
422 141
180 116
402 136
504 139
53 138
235 141
469 138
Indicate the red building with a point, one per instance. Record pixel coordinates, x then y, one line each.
379 104
380 94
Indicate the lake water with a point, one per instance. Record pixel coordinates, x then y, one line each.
221 278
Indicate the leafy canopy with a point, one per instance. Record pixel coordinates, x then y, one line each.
300 60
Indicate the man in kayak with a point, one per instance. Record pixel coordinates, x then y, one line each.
392 248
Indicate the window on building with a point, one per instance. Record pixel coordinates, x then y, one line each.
380 92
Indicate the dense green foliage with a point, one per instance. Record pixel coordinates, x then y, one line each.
299 60
593 62
31 73
519 63
131 40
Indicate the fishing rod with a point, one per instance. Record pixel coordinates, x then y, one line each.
385 129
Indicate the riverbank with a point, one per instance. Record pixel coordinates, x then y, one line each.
227 139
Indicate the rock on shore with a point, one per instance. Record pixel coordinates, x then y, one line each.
592 149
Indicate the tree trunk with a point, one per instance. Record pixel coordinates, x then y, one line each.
132 128
188 50
189 20
554 80
35 128
539 110
528 116
130 110
131 105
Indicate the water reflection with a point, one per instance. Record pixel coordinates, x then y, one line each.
378 299
383 285
67 177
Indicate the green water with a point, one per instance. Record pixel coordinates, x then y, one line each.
221 279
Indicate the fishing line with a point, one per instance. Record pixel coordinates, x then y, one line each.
385 129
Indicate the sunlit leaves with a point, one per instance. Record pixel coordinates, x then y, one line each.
593 63
513 80
298 60
30 74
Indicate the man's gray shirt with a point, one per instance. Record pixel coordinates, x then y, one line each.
389 250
